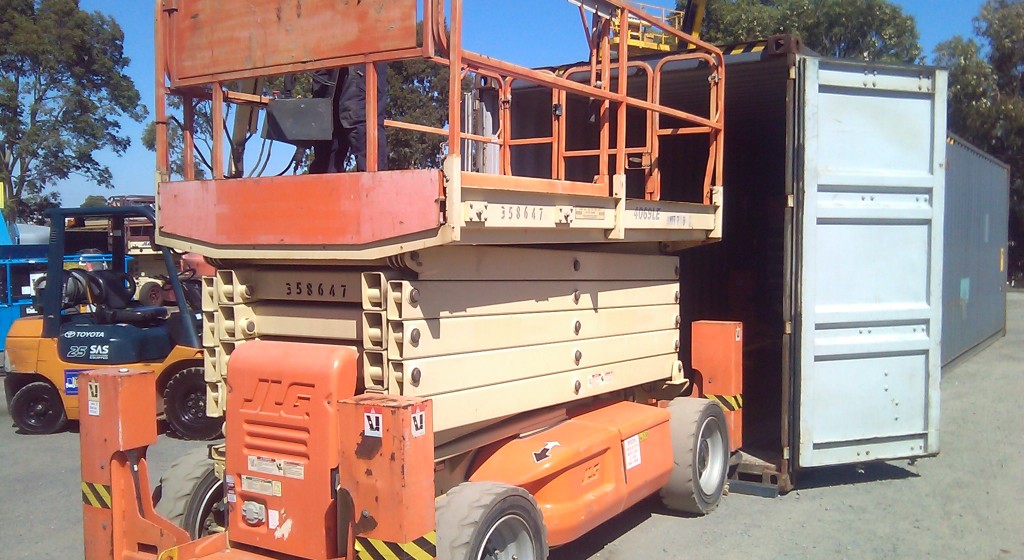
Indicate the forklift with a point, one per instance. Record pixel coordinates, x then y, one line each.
86 319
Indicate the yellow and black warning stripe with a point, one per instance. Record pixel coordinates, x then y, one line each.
743 48
96 495
423 548
730 403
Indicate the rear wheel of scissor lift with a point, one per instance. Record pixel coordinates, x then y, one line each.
700 452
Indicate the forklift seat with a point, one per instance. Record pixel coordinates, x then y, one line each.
116 305
133 315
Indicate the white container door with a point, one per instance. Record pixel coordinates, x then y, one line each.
870 250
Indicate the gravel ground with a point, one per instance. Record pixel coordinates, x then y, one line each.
964 503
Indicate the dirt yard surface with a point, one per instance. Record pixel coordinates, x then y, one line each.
963 504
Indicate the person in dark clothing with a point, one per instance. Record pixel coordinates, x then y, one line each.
347 86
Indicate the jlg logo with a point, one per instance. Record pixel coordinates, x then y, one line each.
273 397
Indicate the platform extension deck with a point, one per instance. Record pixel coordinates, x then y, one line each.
368 216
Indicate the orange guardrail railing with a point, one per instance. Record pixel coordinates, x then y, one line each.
204 48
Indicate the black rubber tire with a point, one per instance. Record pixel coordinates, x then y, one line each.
151 293
185 406
700 452
191 495
468 515
37 409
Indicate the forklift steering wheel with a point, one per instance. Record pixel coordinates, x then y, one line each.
130 284
81 287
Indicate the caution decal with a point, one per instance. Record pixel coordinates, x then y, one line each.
729 402
423 548
754 47
96 495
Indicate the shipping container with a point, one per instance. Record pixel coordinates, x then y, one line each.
975 249
832 245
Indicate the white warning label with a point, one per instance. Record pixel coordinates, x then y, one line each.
293 469
631 450
94 398
273 519
276 467
258 485
229 485
264 465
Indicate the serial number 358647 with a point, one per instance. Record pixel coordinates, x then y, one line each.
319 289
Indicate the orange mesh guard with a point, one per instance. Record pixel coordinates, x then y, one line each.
282 445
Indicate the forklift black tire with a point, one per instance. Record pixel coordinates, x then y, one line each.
700 454
37 409
191 495
185 406
476 519
151 293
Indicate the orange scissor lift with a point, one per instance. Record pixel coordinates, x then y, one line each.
451 363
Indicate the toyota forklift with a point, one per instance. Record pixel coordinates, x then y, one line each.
87 319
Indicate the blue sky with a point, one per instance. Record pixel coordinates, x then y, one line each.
528 32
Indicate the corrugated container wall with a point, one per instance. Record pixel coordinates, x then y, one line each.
974 251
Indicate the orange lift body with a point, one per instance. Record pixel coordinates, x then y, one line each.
718 351
328 453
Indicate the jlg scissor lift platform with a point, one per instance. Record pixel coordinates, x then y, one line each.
471 362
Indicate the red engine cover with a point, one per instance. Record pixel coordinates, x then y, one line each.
282 445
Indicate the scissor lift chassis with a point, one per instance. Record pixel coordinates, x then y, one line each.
378 340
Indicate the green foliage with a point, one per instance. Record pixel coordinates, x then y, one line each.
418 93
872 29
94 200
972 88
63 91
174 142
986 99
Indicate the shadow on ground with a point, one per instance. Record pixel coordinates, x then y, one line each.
845 475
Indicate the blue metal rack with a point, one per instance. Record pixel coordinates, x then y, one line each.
20 266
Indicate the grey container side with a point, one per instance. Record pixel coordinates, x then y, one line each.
975 249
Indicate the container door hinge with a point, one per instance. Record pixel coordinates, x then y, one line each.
790 201
788 328
169 6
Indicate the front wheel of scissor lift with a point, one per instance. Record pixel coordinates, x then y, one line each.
489 521
191 495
